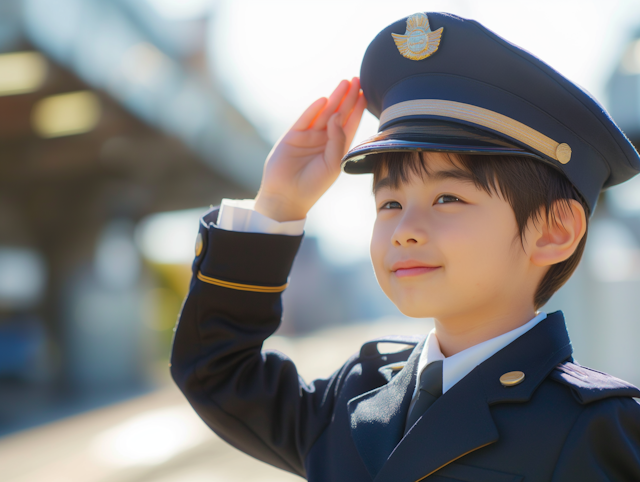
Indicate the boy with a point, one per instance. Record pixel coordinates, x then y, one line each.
486 167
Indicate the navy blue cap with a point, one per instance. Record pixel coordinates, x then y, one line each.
438 82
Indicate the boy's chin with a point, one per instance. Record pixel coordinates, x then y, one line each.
432 306
415 310
412 303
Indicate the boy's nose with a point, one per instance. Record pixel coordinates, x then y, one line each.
409 233
399 242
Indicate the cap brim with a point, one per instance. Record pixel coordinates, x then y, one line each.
430 135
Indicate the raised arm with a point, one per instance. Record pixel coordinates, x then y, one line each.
255 399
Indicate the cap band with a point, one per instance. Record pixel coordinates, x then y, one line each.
483 117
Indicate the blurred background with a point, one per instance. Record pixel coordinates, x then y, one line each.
121 121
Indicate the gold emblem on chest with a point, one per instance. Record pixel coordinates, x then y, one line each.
418 42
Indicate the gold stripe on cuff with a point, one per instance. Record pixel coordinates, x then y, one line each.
240 286
482 117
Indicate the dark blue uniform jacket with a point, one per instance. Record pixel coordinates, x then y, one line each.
564 422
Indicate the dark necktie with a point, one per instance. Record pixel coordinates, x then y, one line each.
429 389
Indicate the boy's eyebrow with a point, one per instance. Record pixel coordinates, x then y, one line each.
385 182
458 174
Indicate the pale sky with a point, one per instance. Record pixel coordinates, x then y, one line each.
276 57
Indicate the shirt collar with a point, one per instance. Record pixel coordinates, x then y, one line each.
458 366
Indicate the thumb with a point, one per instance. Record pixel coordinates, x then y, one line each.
336 144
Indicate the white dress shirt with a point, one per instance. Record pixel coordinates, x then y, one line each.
458 366
239 215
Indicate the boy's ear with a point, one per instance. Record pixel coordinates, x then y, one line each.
555 239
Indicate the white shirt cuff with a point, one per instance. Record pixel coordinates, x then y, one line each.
239 215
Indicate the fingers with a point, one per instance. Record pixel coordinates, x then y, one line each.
350 99
341 133
307 117
336 144
343 100
335 99
340 115
353 121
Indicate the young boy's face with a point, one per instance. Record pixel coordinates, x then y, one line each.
443 248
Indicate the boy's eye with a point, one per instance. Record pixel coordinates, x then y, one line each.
447 198
391 205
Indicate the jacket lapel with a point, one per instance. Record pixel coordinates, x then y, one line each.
460 421
378 417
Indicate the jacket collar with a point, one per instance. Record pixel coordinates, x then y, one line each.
460 421
378 417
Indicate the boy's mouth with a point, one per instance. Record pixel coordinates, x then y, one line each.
407 268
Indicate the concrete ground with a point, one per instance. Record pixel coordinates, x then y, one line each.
159 438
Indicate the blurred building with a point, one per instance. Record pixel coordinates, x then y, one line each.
322 294
107 115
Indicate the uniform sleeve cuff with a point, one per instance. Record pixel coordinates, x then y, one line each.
243 258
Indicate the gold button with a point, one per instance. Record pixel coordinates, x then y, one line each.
512 378
199 244
563 153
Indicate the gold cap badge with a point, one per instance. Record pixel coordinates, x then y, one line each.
418 42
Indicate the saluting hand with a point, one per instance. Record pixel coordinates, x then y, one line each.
306 160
